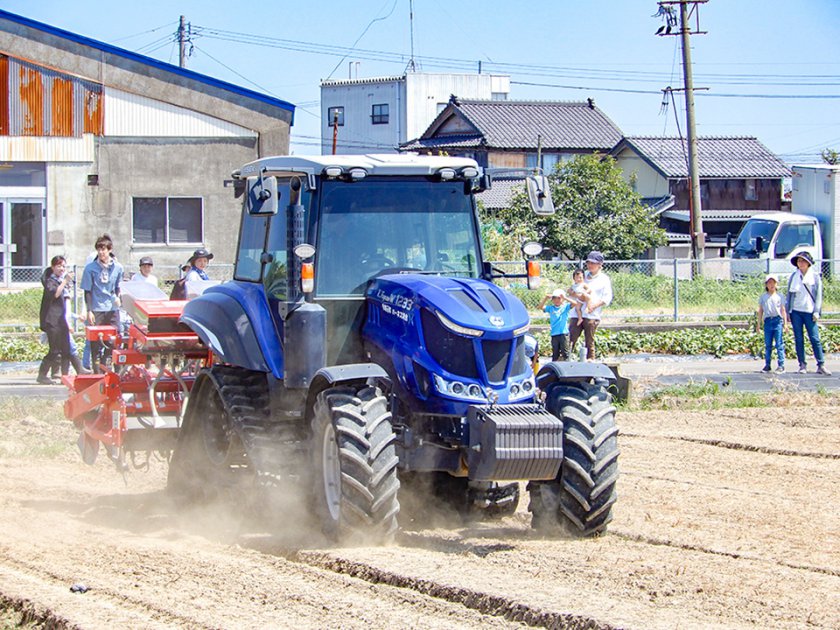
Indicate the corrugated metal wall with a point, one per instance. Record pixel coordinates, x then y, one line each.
134 115
37 101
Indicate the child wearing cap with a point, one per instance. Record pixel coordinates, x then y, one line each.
772 314
146 275
558 317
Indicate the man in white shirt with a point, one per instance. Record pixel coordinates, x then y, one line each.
600 289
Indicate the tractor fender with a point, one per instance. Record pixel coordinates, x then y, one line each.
329 376
224 325
566 372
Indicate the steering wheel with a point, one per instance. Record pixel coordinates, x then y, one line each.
376 261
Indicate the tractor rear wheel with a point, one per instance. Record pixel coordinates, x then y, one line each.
355 465
583 494
209 460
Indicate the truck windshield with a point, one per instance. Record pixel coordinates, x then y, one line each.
392 225
753 229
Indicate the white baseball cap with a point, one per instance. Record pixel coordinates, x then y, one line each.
771 276
558 293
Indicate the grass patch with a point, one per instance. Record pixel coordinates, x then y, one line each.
710 396
34 428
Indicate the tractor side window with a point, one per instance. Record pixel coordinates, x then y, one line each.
275 281
274 274
251 243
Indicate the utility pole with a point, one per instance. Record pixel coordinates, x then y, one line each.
182 43
666 8
335 130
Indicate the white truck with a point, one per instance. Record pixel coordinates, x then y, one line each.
767 241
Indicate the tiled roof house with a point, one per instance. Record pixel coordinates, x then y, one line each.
508 134
739 177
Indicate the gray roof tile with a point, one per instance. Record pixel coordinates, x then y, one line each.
500 194
450 141
717 156
561 125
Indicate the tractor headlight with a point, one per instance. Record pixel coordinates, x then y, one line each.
459 390
522 389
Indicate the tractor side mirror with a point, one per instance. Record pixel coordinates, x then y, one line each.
539 195
262 195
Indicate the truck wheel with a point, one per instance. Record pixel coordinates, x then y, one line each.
208 458
583 494
355 464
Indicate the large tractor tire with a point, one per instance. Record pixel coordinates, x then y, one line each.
355 464
209 460
582 496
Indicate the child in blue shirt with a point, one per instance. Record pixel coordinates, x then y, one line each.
558 316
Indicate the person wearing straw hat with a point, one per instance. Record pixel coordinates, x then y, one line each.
804 303
198 263
558 317
773 316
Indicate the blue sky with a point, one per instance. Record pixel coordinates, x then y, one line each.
757 50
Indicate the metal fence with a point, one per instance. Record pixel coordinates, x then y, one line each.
644 290
676 289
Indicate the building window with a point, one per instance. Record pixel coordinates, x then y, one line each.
332 112
379 114
749 190
167 220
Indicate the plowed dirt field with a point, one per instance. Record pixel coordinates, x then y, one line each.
725 519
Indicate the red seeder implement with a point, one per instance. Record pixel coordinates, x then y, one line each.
135 404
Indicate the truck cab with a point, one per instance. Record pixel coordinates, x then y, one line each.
768 241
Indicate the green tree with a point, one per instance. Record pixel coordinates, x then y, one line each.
830 156
596 209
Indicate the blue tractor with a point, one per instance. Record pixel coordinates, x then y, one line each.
363 345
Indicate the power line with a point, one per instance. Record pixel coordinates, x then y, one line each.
340 61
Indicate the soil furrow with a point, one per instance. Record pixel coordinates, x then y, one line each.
616 531
735 446
485 603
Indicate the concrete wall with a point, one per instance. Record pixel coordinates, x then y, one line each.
358 135
130 166
77 213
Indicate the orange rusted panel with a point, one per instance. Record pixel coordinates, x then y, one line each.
32 101
62 107
94 115
4 95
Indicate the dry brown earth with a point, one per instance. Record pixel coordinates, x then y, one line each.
725 519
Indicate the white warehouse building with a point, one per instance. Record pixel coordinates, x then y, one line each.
377 114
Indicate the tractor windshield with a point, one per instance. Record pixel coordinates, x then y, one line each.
390 225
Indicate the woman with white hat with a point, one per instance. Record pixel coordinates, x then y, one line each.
198 263
804 303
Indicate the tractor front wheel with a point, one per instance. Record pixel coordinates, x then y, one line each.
355 465
583 494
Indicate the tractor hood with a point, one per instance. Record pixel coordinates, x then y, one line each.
468 302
